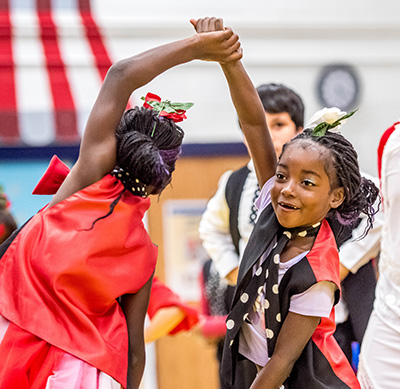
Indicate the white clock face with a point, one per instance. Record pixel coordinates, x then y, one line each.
338 87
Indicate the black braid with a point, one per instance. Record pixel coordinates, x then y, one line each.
147 148
360 193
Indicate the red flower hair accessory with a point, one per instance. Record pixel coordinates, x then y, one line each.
165 108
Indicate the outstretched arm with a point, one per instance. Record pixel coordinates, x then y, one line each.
97 155
168 313
163 322
248 107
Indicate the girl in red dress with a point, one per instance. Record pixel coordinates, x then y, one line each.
61 324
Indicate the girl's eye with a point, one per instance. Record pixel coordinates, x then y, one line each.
280 176
308 183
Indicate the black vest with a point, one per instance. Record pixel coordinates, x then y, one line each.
233 193
312 370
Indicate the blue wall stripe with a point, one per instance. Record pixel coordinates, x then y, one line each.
71 152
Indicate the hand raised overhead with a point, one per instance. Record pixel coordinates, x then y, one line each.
207 24
218 43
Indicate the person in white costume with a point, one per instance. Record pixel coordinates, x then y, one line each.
358 280
379 366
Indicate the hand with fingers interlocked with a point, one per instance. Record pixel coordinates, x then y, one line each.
228 48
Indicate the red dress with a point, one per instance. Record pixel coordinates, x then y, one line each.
60 280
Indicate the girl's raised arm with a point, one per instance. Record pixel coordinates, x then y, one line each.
248 107
252 120
97 155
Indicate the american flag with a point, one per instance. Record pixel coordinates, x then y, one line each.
53 58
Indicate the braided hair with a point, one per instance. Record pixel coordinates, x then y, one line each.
148 146
360 193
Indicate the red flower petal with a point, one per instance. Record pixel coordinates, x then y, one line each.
151 97
177 116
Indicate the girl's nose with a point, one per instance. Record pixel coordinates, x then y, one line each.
288 189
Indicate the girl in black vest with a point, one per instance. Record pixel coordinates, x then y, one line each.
282 315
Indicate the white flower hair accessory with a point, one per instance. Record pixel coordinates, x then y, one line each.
328 119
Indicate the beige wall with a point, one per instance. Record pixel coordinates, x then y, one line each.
187 360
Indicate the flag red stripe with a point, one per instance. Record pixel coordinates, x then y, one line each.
64 107
9 131
95 39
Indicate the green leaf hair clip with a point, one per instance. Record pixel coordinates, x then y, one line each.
166 108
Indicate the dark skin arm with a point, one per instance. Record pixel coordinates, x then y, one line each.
135 308
296 331
252 120
248 107
98 148
97 155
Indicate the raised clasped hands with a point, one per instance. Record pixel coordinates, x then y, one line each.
216 42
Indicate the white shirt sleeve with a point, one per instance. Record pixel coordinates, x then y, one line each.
355 253
214 231
316 301
265 195
391 195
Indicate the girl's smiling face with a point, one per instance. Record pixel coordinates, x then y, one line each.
302 194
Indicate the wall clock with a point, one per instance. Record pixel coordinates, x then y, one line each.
338 86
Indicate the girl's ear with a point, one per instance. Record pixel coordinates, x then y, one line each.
337 197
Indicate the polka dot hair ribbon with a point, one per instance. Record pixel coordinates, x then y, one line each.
130 183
